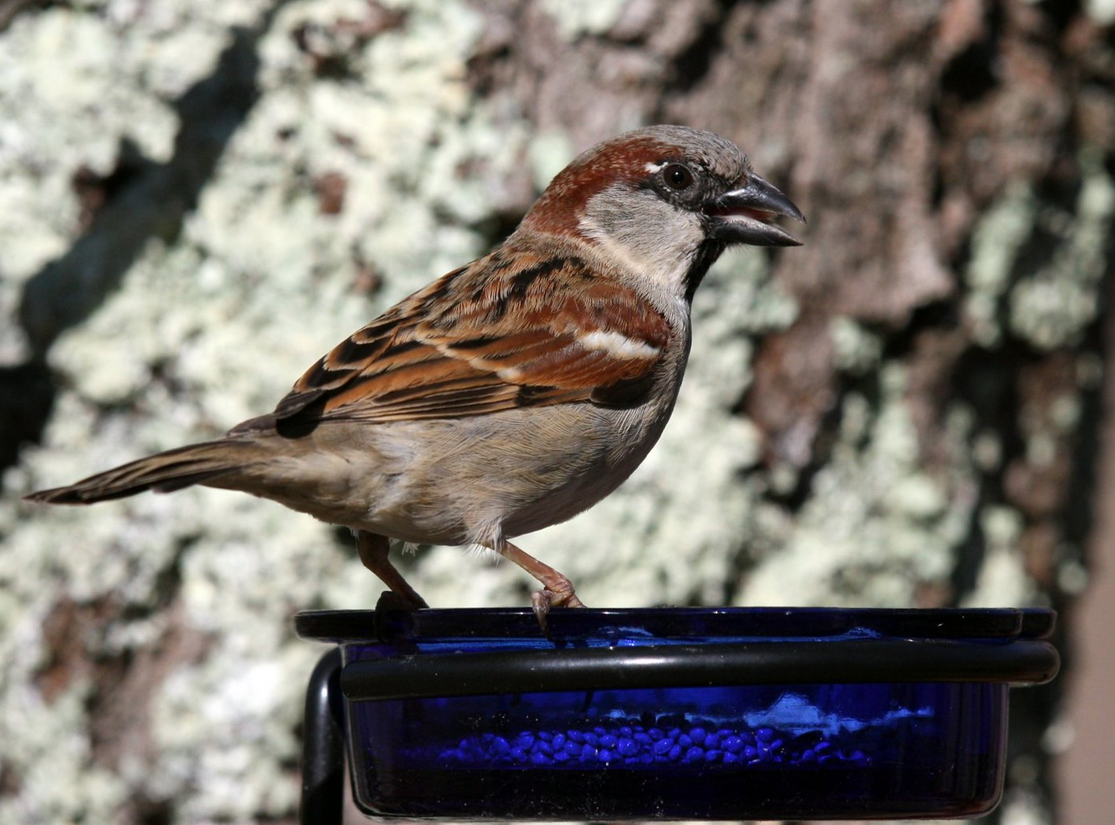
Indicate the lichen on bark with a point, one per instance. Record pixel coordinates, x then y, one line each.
198 199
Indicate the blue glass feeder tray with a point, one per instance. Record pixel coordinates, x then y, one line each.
667 713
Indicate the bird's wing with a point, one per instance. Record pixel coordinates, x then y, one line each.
501 333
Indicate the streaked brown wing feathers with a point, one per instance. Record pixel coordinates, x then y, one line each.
488 337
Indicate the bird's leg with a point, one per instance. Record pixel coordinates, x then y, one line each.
557 590
373 553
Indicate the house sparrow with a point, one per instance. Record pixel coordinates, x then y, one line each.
514 392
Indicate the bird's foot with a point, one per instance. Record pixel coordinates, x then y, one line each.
392 602
557 590
542 601
373 551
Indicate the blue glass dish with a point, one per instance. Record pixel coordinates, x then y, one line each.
678 713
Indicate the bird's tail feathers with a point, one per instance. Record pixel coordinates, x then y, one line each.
163 473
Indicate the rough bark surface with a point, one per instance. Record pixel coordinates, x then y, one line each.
198 198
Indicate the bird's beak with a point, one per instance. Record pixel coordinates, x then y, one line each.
745 215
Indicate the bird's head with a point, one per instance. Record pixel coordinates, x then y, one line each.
664 201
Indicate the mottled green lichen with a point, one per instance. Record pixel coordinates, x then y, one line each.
996 241
1048 306
202 332
1003 580
548 153
856 350
877 526
577 17
212 324
1051 308
1102 11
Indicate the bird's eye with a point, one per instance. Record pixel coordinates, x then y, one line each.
677 177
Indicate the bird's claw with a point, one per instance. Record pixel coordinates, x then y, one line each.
392 602
542 601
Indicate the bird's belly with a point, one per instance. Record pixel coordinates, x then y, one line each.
478 480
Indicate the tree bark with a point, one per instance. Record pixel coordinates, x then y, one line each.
196 200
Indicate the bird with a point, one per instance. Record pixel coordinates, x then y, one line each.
513 392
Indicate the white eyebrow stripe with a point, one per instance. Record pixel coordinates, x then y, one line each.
653 167
618 344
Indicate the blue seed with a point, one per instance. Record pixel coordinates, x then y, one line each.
572 747
545 734
588 753
808 755
685 740
558 741
541 759
518 754
576 736
642 737
591 738
599 731
524 740
714 756
694 754
608 741
625 730
776 744
663 746
561 756
628 747
656 733
822 746
724 733
750 752
730 758
733 744
765 734
674 733
606 755
675 753
698 735
500 745
542 746
712 742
